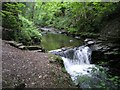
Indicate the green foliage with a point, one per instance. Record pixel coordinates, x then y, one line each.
29 34
89 34
10 13
83 18
10 18
74 17
21 29
56 59
99 79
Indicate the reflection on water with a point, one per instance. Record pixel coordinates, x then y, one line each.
55 41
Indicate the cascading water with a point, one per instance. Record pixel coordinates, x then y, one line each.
77 62
84 75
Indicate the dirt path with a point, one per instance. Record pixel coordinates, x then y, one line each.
31 68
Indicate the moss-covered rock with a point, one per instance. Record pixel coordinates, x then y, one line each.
56 59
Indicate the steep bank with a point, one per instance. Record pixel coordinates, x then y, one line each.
110 36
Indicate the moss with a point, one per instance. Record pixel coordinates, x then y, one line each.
64 70
56 59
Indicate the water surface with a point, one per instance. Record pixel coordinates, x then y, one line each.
52 41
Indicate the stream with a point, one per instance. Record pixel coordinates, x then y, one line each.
77 60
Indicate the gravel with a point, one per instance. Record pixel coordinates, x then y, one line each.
31 69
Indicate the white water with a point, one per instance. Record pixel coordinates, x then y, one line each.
79 64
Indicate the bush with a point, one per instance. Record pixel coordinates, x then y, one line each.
10 20
28 34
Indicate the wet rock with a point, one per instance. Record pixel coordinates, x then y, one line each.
63 32
60 54
58 50
69 53
109 53
46 30
116 49
89 42
63 49
87 39
98 42
112 55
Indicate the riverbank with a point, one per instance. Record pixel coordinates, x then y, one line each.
31 69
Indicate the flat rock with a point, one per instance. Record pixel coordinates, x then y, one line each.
14 43
21 47
87 39
90 42
33 47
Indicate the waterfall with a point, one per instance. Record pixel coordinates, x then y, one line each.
82 55
77 62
